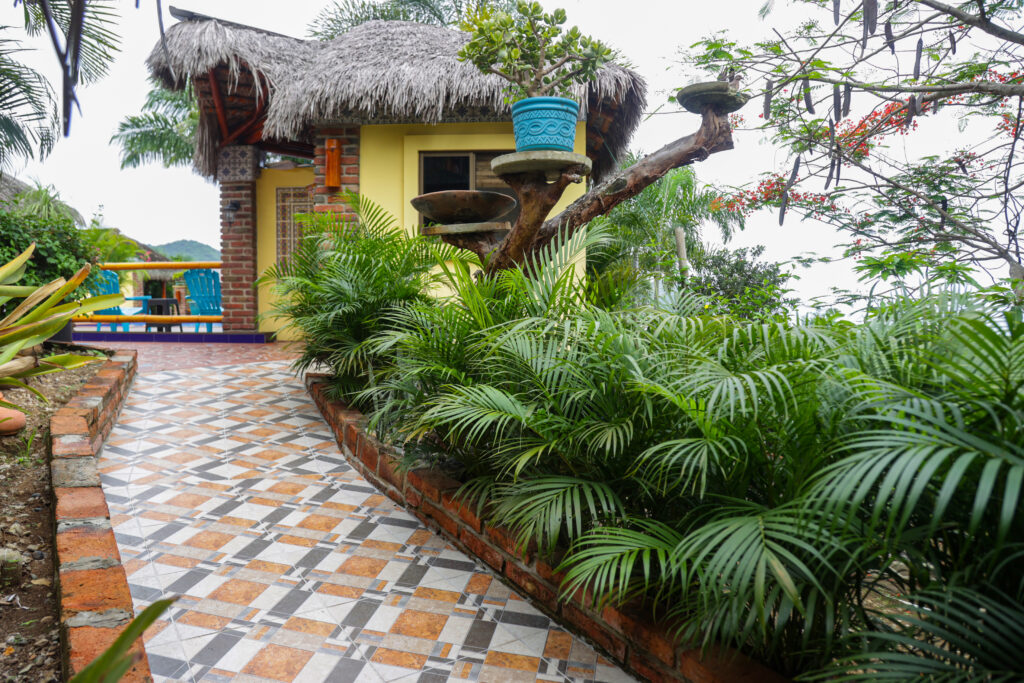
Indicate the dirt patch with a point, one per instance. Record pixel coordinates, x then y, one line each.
29 624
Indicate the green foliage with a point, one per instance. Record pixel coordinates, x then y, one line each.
530 51
31 315
189 250
342 15
164 131
114 662
342 281
832 498
740 284
60 247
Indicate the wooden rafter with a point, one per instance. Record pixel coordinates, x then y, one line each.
218 104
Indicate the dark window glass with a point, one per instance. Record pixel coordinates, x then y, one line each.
445 173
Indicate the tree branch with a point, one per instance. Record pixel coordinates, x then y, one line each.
981 22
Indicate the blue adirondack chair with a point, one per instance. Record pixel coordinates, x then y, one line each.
203 293
107 283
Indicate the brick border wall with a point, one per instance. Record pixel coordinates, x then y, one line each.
92 588
329 198
238 255
627 636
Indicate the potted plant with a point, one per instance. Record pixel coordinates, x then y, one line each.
541 63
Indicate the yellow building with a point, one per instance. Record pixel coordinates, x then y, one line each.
386 110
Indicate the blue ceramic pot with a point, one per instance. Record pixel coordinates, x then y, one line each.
545 123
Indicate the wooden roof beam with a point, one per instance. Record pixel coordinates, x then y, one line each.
218 103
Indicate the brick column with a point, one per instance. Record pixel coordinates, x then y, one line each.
328 198
237 170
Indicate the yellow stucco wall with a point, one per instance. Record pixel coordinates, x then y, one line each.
389 159
266 229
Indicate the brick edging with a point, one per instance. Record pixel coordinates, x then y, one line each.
95 603
627 636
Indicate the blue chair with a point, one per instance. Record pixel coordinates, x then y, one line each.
108 283
203 293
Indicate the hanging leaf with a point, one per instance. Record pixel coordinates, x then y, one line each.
785 191
871 16
835 11
847 95
831 172
952 42
890 39
917 58
807 95
837 101
768 99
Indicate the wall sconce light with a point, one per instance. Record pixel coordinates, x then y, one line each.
332 163
230 209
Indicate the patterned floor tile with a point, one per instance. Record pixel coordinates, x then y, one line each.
226 488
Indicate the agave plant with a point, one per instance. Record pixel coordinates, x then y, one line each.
33 315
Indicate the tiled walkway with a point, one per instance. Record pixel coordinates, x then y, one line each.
226 487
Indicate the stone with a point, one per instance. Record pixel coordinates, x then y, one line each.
15 639
11 556
17 529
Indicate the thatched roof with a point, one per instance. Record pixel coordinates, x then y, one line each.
378 72
11 187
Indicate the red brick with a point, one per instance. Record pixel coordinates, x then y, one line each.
656 640
482 549
441 518
77 503
598 632
86 643
412 497
367 452
72 446
61 425
506 540
547 571
431 483
533 585
388 470
94 590
647 669
465 512
82 542
721 665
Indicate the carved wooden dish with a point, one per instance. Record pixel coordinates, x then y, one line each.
717 94
462 206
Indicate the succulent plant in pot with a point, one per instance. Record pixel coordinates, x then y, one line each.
541 62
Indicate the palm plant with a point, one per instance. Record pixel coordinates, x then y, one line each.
339 285
343 15
164 131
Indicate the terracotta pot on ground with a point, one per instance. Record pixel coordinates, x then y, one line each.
11 421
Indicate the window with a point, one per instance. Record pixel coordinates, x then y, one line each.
290 201
463 171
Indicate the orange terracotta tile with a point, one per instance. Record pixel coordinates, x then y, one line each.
341 591
177 561
298 540
478 584
209 540
187 500
210 621
406 660
339 506
271 567
265 501
507 660
319 522
253 474
419 537
154 629
319 628
287 488
237 521
362 566
159 516
238 592
374 501
419 624
436 594
382 545
558 646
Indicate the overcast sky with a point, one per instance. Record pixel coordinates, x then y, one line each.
158 205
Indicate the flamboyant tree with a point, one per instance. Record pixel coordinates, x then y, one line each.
903 121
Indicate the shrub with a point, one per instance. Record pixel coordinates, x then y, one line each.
60 249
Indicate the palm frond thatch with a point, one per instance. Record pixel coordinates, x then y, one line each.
378 72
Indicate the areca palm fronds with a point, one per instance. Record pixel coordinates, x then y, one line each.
338 287
164 131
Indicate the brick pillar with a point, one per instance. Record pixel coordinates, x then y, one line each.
237 170
328 198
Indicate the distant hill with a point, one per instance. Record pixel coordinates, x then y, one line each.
190 250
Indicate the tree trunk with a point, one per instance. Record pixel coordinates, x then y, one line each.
536 197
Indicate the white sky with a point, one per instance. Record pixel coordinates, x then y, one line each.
158 205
